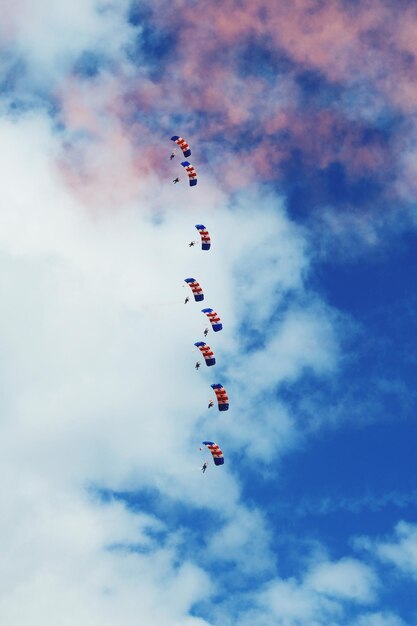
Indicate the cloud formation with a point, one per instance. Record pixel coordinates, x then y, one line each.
96 342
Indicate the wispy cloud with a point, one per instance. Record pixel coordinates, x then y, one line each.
399 550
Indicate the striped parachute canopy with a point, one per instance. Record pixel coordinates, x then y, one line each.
192 174
205 236
214 319
207 352
195 288
186 150
222 397
215 451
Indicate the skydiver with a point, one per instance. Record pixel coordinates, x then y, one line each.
210 404
187 299
197 365
191 244
172 156
205 466
206 332
176 180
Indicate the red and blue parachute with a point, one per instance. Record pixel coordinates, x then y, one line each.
217 454
214 319
205 236
222 397
192 174
207 352
195 288
186 150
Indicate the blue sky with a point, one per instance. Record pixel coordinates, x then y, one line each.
306 159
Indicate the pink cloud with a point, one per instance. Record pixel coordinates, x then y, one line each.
366 41
370 43
11 14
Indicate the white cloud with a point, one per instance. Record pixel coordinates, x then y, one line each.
99 386
49 35
70 559
98 378
290 603
400 550
244 541
379 619
345 579
304 339
324 594
97 366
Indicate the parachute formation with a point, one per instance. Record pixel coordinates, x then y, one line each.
195 288
215 321
189 168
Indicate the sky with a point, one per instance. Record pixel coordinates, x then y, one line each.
301 119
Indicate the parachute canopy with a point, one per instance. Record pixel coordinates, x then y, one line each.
192 174
195 288
215 451
205 236
186 150
214 319
222 397
207 352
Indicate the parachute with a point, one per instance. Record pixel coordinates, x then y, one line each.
192 174
205 237
207 352
195 288
215 451
222 397
182 144
214 319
